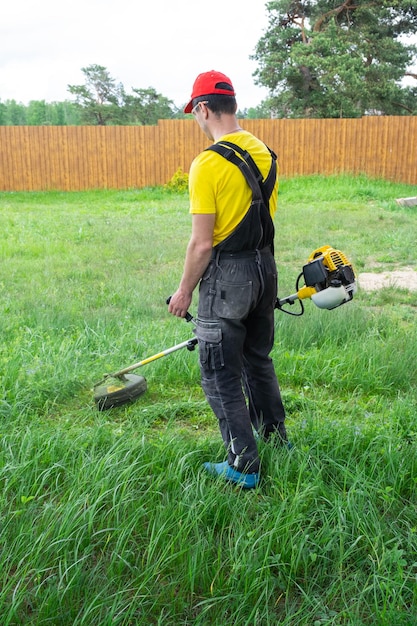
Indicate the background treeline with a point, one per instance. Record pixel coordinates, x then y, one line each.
39 113
67 113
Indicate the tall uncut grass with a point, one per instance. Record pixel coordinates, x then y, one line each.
107 518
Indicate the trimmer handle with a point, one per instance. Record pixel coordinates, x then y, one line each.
188 317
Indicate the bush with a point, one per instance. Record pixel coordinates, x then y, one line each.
179 182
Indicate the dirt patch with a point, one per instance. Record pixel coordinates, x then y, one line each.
405 278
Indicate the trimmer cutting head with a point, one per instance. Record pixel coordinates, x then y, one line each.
114 391
121 387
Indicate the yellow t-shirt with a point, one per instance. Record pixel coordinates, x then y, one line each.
216 184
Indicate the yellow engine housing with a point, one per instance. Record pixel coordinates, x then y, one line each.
332 259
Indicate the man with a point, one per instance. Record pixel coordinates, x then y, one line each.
230 257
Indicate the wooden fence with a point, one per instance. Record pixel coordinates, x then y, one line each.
72 158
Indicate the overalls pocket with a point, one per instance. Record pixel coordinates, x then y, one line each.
233 300
209 335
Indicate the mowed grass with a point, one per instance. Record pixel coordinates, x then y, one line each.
106 517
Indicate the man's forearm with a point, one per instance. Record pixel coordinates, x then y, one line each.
196 260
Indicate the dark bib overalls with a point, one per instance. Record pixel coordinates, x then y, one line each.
235 331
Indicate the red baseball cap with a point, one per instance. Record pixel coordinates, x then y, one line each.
209 83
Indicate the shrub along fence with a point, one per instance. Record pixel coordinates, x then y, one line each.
71 158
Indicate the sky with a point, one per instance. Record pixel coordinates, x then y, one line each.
162 44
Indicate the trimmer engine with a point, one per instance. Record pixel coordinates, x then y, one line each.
329 280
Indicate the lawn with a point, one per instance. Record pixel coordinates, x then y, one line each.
106 517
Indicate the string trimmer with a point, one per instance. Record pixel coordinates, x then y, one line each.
329 280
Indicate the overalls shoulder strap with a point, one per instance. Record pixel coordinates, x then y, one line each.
228 150
256 230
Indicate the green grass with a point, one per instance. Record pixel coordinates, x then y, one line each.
106 517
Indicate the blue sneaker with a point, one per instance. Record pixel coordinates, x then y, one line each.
226 471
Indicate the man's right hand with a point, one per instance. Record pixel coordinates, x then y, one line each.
179 303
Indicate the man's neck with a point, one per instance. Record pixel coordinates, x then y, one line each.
225 125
